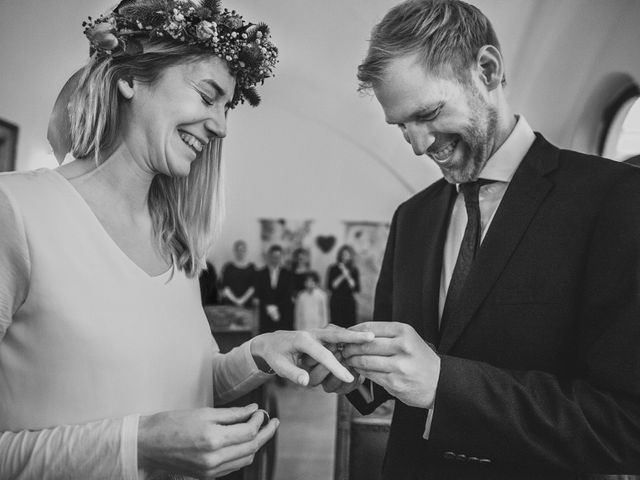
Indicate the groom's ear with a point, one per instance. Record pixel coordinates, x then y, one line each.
490 67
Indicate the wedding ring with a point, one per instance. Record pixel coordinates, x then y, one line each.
266 418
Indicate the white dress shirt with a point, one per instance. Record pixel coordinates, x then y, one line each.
274 275
500 167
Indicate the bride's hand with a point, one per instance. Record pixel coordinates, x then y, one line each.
282 351
203 443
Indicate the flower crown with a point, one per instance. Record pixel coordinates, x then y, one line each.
246 47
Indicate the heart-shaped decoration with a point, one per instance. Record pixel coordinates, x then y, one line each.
325 243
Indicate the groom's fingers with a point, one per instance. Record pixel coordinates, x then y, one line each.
340 335
379 346
308 363
381 329
334 385
318 374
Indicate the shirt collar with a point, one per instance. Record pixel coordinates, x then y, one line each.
502 165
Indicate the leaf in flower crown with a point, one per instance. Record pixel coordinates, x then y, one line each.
146 12
214 5
254 30
264 28
122 4
252 96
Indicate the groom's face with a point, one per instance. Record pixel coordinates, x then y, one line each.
446 117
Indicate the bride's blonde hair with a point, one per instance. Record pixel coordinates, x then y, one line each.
185 211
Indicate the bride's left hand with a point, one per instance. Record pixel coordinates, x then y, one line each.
282 351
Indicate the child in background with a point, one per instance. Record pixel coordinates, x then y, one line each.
311 304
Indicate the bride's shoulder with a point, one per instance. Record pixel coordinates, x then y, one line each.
23 182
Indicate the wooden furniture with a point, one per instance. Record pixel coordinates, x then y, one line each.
360 441
231 326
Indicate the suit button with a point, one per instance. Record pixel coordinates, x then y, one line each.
484 460
461 457
449 455
474 459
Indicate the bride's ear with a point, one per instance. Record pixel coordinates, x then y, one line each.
125 87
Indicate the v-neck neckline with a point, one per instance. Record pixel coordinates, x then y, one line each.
162 277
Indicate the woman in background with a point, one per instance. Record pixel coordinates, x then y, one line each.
107 366
300 267
238 278
343 282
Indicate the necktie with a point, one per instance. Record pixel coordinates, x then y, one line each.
468 247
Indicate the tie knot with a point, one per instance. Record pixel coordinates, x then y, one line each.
471 190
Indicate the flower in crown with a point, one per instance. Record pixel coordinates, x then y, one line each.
246 47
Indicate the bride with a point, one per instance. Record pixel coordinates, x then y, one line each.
107 366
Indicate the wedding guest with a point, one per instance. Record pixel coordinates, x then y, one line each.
343 282
238 278
300 267
311 305
275 292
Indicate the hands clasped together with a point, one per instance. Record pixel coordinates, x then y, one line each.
397 359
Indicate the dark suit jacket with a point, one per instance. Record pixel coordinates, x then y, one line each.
540 372
281 296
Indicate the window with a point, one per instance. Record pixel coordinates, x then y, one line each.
622 136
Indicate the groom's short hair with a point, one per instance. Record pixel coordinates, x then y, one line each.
445 34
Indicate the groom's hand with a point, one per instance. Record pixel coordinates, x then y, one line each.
398 360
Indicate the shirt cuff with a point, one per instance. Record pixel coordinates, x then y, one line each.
427 425
236 373
129 448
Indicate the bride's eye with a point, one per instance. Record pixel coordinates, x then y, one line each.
206 99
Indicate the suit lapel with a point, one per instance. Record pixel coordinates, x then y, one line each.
433 229
523 197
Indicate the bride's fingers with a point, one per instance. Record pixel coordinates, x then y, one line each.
237 456
309 345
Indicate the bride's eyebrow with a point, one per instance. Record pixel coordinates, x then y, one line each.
215 86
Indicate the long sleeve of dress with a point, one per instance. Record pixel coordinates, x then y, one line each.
102 450
235 374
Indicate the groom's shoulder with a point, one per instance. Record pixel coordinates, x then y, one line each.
424 197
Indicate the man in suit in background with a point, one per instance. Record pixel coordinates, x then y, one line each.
507 312
274 289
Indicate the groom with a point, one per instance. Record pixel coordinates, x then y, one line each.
507 312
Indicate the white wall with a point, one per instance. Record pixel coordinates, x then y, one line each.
315 148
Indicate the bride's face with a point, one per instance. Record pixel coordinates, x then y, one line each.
170 121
